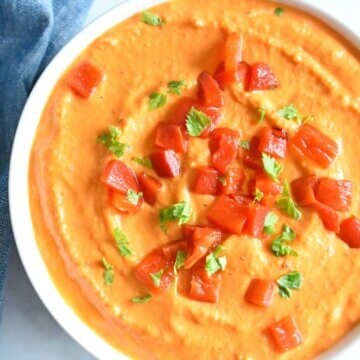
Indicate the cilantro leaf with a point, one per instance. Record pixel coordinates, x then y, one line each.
280 246
157 100
262 111
133 197
196 122
271 167
110 140
258 195
289 281
214 263
245 144
143 161
156 277
278 11
175 86
180 260
122 242
270 222
287 204
108 273
222 179
290 112
150 18
141 299
180 211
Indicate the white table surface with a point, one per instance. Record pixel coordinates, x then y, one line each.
27 330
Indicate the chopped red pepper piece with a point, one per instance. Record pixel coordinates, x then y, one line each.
285 334
224 147
273 141
234 179
187 230
84 78
207 181
264 184
255 220
202 239
252 157
232 51
350 231
329 217
120 177
261 78
303 190
334 193
228 214
260 292
166 163
225 78
268 200
120 202
209 91
312 143
150 188
170 136
170 249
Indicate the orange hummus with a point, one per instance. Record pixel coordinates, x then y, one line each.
318 72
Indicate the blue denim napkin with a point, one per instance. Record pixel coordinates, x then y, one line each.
31 33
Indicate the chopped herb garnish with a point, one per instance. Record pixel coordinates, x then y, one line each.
156 277
108 273
122 242
180 211
280 245
271 167
214 263
150 18
110 140
133 197
292 281
290 112
157 100
287 204
262 111
270 222
175 86
245 144
143 161
180 260
196 122
141 299
278 11
258 195
222 179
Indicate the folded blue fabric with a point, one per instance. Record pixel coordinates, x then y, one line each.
31 33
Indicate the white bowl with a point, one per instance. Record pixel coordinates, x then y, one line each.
23 230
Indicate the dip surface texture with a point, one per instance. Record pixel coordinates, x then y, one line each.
318 72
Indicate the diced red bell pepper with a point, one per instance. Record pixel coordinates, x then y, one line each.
224 147
153 263
202 239
312 143
120 177
202 287
264 184
232 51
234 179
329 217
150 188
255 220
228 214
285 334
225 78
84 78
268 200
303 190
207 181
334 193
261 78
170 249
273 141
120 202
252 157
350 231
187 230
166 163
242 199
209 91
260 292
170 136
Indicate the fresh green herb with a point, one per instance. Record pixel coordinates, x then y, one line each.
278 11
157 100
151 19
289 281
262 111
122 242
110 140
133 197
180 260
270 222
196 122
287 204
141 299
271 167
108 273
175 86
290 112
143 161
222 179
280 245
156 277
214 263
180 211
258 195
245 144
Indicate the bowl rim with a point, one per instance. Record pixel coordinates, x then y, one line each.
19 203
